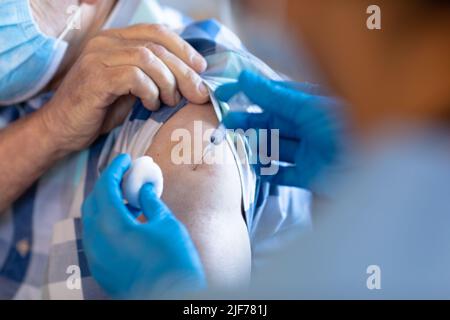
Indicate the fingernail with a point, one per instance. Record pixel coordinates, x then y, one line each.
203 89
152 105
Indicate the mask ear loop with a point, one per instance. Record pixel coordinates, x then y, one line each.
76 16
59 49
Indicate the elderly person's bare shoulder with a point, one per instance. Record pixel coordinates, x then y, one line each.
207 199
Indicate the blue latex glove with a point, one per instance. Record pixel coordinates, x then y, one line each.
130 259
311 126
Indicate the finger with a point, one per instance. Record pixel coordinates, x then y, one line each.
190 84
245 121
227 91
268 94
117 113
161 35
112 213
188 81
111 179
305 109
306 87
143 58
287 144
132 80
153 208
116 170
89 206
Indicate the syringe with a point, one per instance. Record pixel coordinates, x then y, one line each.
217 137
238 103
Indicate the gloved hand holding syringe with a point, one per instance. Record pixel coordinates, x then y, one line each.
239 103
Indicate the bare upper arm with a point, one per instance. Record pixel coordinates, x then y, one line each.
207 200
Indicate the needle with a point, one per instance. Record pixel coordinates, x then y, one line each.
205 152
217 137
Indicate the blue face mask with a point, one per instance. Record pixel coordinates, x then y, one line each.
28 58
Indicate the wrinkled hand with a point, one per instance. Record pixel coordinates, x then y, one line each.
130 259
311 127
144 61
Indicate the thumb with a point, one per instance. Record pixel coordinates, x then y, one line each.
152 207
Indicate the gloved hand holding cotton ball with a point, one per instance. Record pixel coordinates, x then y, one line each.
142 171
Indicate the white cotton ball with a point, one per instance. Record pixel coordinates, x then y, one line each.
143 170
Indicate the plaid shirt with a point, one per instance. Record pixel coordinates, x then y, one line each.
41 251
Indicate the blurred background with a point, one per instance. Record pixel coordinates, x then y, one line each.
275 47
203 9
